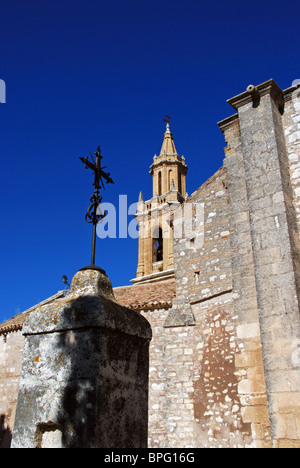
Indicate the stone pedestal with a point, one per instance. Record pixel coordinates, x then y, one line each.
84 381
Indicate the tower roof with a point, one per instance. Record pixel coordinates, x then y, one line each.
168 146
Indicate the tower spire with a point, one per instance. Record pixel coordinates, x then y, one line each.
168 169
168 145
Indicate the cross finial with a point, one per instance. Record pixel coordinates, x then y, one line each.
167 118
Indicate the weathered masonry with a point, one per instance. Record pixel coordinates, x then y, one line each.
84 380
222 296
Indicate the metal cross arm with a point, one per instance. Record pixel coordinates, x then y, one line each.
96 168
167 118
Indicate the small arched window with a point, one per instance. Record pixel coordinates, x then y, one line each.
171 178
159 183
179 183
157 245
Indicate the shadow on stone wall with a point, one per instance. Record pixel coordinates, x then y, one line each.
5 433
103 401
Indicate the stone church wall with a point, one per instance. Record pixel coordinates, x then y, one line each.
230 342
205 379
291 122
11 351
200 395
202 257
265 249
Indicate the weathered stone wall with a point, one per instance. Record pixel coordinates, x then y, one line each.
249 361
230 342
200 395
206 379
259 178
291 124
11 350
202 260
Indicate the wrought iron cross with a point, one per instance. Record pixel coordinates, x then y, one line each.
94 215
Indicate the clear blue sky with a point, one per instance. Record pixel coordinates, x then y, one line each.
84 73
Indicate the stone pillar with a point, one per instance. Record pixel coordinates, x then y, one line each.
263 204
141 262
84 381
249 360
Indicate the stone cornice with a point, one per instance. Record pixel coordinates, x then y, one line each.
227 123
254 93
180 161
154 277
288 93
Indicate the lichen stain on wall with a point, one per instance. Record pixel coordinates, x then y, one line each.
216 400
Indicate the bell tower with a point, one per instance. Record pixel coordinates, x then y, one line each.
155 216
168 169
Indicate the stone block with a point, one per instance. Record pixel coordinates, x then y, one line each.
84 381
